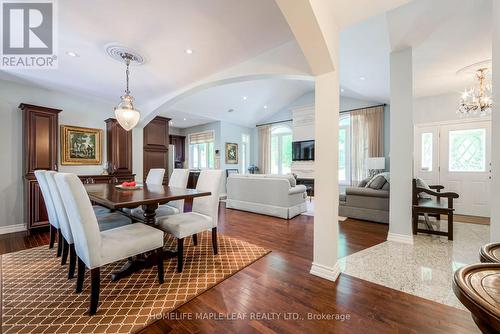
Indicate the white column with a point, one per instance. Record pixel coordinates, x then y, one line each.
401 139
495 128
326 183
318 35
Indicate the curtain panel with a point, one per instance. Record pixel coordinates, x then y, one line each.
265 149
367 131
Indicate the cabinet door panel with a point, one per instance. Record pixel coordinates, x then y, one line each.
155 159
42 142
156 134
119 144
37 212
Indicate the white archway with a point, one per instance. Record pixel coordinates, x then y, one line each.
176 96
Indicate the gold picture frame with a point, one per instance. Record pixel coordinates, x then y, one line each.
231 153
81 146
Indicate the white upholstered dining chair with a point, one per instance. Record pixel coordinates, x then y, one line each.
155 176
51 212
40 176
204 215
105 220
95 248
178 179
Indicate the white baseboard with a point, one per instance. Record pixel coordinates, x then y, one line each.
329 273
12 228
402 238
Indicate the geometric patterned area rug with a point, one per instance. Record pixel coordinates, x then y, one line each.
37 297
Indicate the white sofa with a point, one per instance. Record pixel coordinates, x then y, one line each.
273 195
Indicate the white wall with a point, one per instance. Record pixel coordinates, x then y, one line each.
175 131
437 108
231 133
346 103
77 110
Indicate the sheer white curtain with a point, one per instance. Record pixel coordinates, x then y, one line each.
265 149
367 130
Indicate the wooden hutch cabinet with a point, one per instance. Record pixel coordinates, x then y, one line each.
119 147
40 151
155 149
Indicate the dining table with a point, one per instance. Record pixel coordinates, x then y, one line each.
149 198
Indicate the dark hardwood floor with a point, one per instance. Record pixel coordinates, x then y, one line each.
279 285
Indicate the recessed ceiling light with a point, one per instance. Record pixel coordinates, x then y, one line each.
245 98
342 90
72 54
230 110
183 119
362 78
265 107
189 51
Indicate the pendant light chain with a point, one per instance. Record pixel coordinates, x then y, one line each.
127 58
126 114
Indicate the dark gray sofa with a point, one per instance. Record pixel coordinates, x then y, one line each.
366 203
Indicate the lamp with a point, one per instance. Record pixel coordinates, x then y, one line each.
375 165
125 112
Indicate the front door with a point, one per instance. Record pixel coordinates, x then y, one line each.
458 157
465 155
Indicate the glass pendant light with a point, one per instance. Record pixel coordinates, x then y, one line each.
126 114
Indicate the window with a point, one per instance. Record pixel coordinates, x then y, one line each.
426 158
245 153
467 151
201 150
281 150
345 149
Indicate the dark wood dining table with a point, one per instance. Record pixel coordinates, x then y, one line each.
149 197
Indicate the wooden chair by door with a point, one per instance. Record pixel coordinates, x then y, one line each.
439 203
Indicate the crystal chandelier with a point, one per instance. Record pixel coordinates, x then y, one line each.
476 101
126 114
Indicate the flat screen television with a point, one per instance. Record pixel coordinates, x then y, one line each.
303 150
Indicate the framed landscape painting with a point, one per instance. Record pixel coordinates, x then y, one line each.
231 153
80 146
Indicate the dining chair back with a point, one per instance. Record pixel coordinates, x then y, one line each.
52 217
155 176
62 217
209 180
178 179
47 198
82 219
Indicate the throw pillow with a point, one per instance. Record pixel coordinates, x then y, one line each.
421 184
364 182
387 186
377 182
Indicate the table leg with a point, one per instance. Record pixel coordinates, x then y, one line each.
138 263
150 213
142 261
